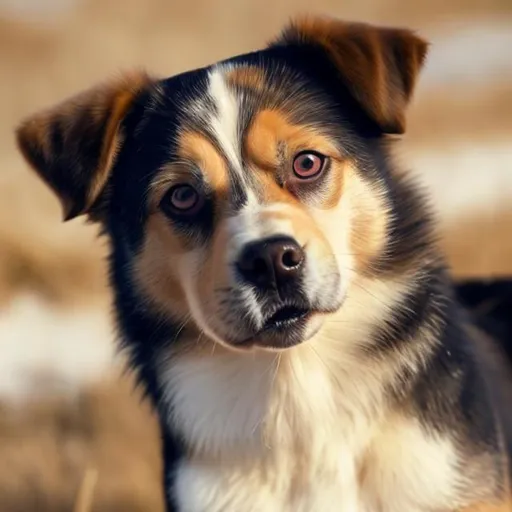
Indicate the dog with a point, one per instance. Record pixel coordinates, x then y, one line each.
278 284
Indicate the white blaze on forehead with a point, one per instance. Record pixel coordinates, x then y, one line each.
225 126
224 121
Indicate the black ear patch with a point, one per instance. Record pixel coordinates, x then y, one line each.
73 145
379 66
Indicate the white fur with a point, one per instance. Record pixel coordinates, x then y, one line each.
225 122
426 460
230 408
337 226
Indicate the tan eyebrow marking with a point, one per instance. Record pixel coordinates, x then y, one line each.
270 134
269 128
197 148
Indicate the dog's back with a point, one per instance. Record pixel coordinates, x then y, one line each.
489 303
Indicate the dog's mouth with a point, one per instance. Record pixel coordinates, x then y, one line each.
283 328
284 317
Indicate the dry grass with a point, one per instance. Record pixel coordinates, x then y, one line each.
62 262
85 497
480 245
97 452
477 114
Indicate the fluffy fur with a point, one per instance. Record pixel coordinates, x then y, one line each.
340 374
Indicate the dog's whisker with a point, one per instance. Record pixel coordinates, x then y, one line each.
182 326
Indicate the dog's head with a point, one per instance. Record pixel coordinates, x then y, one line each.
244 197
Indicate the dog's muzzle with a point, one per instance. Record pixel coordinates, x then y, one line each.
274 268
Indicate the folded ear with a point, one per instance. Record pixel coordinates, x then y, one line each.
73 145
377 65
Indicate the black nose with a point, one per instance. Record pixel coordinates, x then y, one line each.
271 263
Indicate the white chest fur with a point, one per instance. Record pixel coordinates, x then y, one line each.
201 488
297 433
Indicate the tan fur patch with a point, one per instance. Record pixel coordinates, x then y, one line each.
155 267
112 139
271 192
250 77
197 148
368 232
270 127
261 143
214 271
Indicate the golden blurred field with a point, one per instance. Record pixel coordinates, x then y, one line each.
72 429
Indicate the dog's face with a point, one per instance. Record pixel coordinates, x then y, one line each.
245 197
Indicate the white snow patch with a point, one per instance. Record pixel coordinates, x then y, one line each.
44 349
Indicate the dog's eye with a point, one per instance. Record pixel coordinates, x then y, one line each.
308 164
182 199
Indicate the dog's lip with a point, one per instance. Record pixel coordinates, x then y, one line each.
285 316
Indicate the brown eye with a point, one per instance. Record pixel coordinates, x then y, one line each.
308 164
182 199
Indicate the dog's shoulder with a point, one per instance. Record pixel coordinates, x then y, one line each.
465 390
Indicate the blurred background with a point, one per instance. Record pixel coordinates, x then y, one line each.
74 435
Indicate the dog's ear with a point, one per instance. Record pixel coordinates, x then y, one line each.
73 145
377 65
